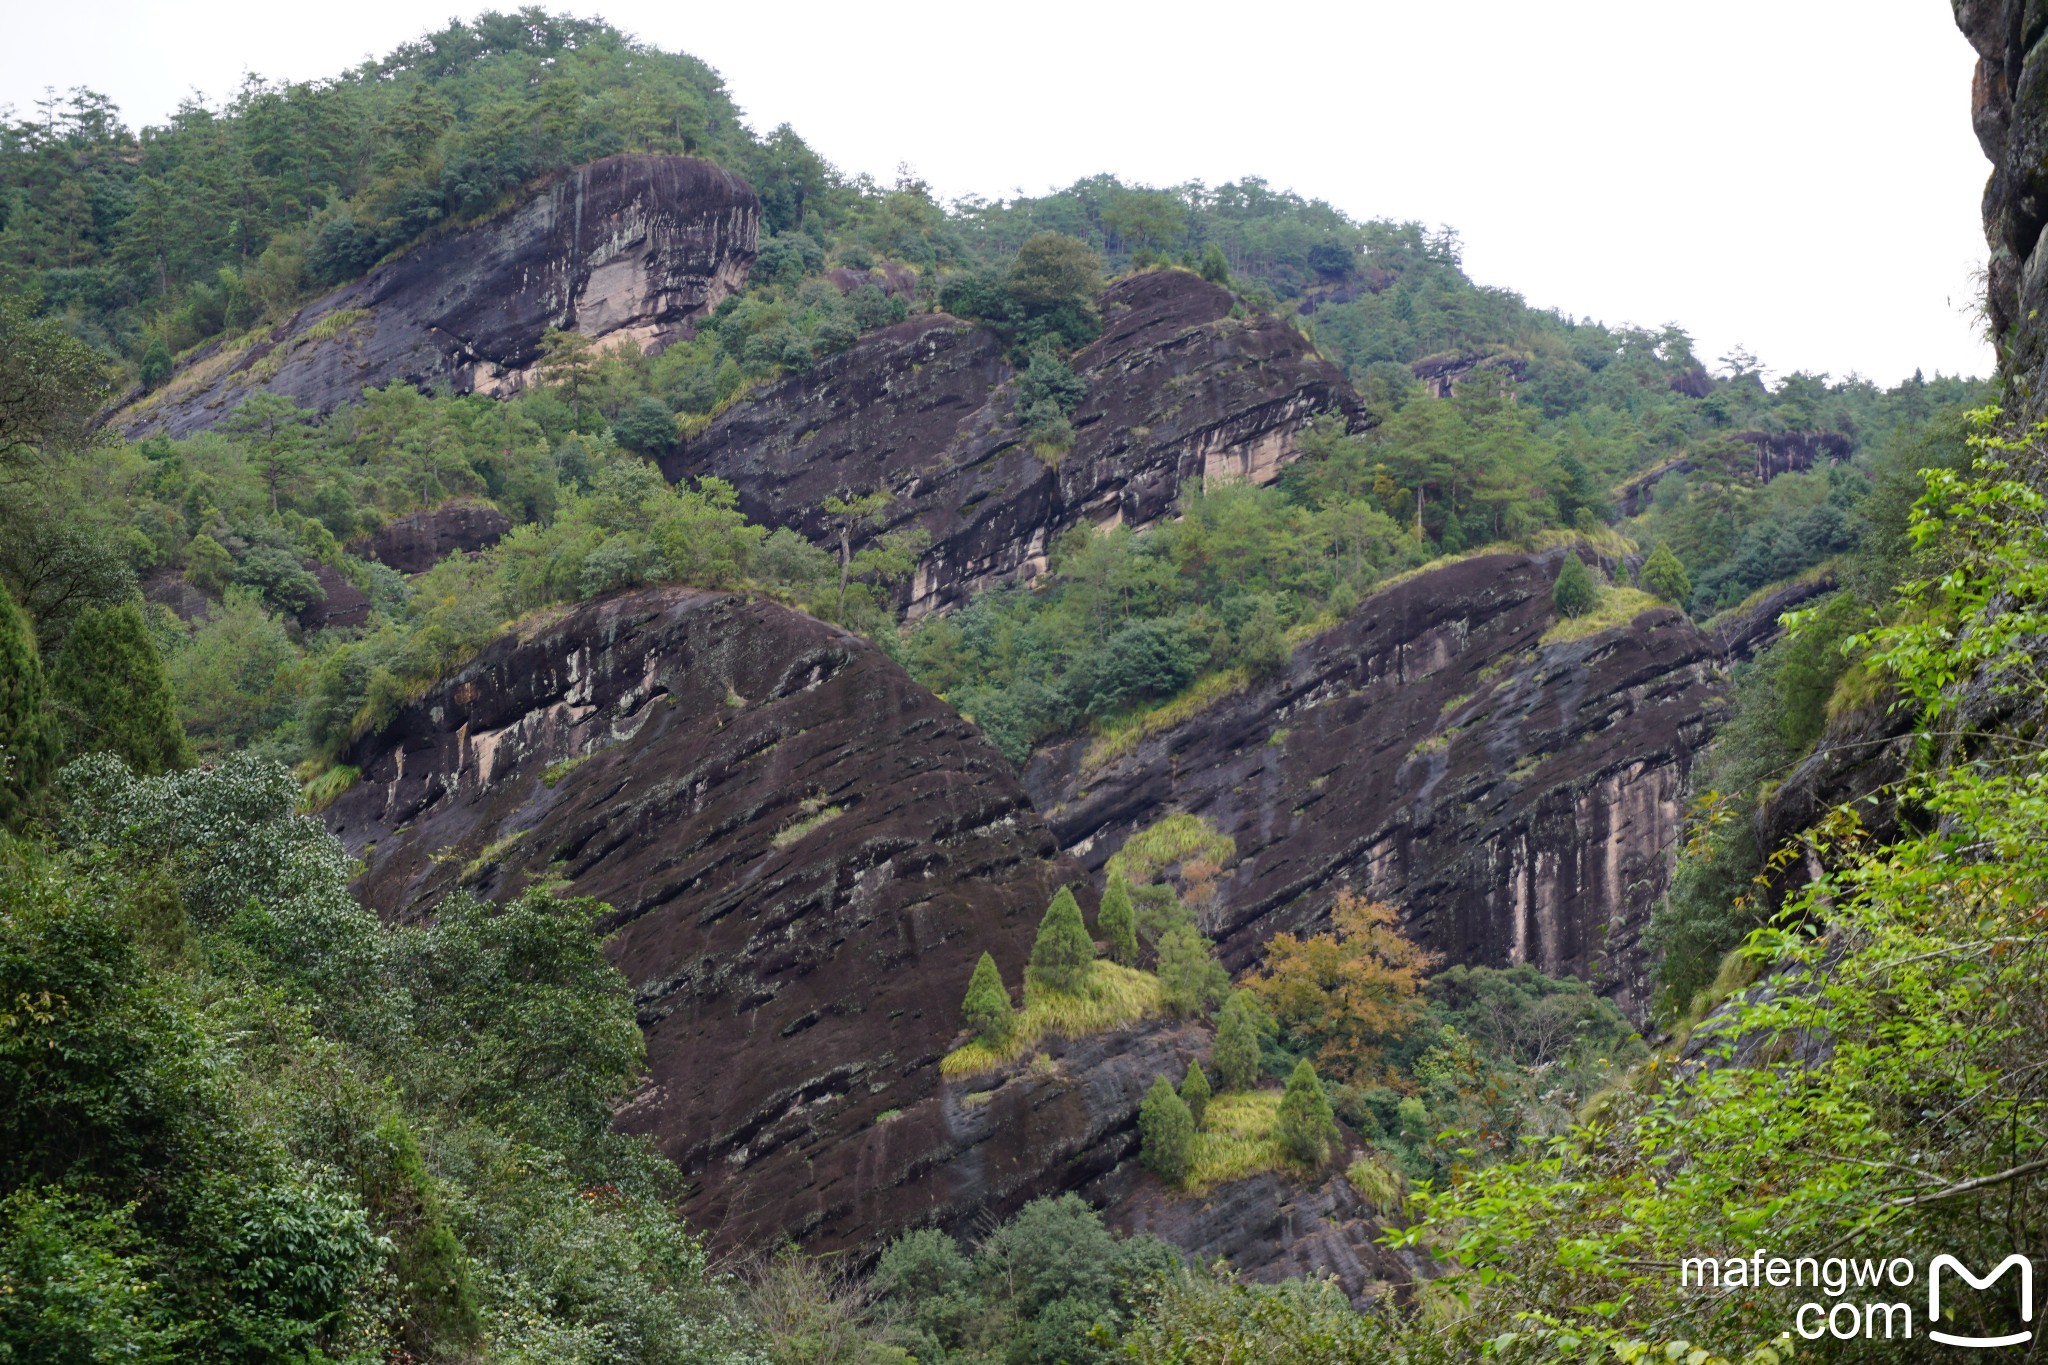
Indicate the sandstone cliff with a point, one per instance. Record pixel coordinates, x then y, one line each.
807 852
1177 389
626 250
1518 799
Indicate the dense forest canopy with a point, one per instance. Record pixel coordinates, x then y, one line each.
245 1120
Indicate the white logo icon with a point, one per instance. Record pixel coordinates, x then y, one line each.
2026 1299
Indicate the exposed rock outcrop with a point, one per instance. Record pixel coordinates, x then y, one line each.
341 604
1770 454
1177 389
415 543
1274 1226
2009 110
1519 800
629 249
1741 633
1441 373
806 852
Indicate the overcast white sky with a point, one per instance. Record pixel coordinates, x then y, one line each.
1796 176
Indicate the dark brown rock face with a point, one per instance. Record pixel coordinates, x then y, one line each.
926 411
340 603
1770 454
625 250
2009 109
415 543
1518 800
806 853
1269 1228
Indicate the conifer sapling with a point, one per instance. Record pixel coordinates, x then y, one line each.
987 1006
1167 1133
1575 593
1118 922
1235 1054
1665 576
1194 1093
1307 1129
1063 951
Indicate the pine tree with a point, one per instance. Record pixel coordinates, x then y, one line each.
112 694
1191 980
1452 538
1194 1093
1167 1133
1215 267
1575 593
27 737
1063 951
1307 1129
1116 922
1665 576
1235 1054
987 1006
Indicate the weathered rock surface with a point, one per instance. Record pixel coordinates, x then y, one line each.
629 249
1268 1227
2009 110
1741 633
341 604
806 853
415 543
925 411
1518 800
1770 454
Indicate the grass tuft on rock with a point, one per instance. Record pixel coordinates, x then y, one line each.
1237 1140
1111 997
1617 607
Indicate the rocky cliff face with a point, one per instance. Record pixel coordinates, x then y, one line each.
1518 799
627 250
2009 109
415 543
806 853
925 411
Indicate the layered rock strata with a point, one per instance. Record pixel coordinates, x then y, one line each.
925 412
806 853
627 250
1518 799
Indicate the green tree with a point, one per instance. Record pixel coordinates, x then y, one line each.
1063 951
27 737
645 427
1054 271
1194 1093
1191 979
156 364
51 385
1116 923
1235 1054
987 1006
1215 266
1665 576
112 694
1307 1129
1166 1132
1575 593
